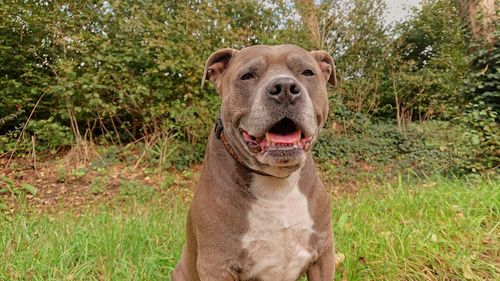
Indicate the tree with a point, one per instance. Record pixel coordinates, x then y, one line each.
428 62
482 87
481 17
354 33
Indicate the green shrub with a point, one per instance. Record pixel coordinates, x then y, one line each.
50 135
422 147
480 118
482 133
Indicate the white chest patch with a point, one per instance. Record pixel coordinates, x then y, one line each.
280 227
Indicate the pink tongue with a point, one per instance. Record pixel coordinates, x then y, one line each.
288 138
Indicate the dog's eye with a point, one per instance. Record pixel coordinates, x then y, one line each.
308 72
247 76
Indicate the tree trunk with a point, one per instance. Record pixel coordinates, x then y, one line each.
308 13
396 100
481 18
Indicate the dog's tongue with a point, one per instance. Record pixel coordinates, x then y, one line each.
287 138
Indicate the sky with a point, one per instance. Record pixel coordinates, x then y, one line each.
396 9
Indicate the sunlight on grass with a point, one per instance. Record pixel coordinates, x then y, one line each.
434 230
439 230
134 242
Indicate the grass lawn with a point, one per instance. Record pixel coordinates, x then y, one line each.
437 229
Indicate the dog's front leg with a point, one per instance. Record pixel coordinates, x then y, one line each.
324 268
210 270
179 275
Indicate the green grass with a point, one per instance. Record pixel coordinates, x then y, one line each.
438 229
137 241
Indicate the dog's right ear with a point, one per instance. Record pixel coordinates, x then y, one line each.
216 64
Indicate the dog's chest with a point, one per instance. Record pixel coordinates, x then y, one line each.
280 226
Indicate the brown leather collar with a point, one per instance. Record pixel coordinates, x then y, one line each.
220 135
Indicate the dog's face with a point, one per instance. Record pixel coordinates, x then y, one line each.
274 102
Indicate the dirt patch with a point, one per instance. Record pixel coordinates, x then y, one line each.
57 183
62 182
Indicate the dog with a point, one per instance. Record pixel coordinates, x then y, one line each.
260 211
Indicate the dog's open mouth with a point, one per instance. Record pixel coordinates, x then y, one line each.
285 135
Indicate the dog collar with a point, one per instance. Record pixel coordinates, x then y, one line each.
220 135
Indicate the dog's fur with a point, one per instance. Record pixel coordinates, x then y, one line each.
268 218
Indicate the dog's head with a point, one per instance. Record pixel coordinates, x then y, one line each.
274 102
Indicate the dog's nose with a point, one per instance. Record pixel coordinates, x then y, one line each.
284 90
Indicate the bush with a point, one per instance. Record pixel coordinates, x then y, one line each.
482 134
381 146
49 134
480 118
117 72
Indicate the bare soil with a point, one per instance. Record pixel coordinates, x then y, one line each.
63 182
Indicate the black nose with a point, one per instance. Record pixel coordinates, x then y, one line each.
284 90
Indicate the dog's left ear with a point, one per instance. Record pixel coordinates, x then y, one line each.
326 65
216 64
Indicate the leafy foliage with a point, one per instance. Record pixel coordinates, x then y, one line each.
427 64
121 70
356 142
355 32
483 81
480 118
128 72
482 132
